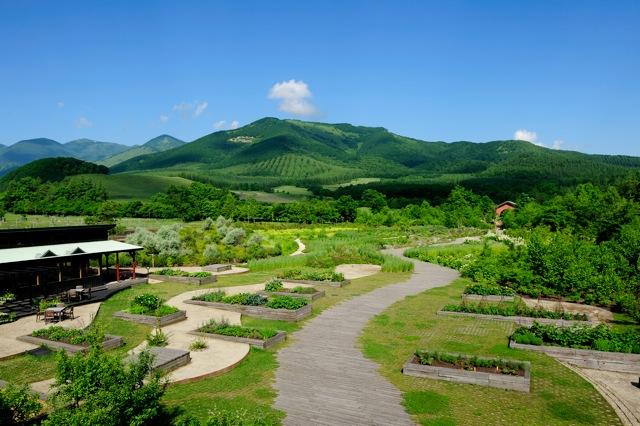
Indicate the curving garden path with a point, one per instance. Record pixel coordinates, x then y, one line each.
300 249
323 378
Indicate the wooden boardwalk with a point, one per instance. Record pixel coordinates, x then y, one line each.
323 378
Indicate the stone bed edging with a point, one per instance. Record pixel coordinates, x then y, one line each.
150 319
501 381
599 360
487 298
110 342
309 296
311 282
217 267
188 280
258 343
257 311
517 319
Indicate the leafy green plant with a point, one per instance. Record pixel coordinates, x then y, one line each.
72 336
286 302
213 296
225 329
311 274
600 337
43 304
488 290
180 273
18 404
150 304
274 285
7 317
303 290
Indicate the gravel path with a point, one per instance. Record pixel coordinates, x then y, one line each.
301 248
323 378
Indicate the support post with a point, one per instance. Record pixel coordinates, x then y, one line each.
117 267
134 263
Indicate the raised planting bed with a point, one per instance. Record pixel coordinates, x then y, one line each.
275 287
284 308
166 359
70 340
493 372
177 275
152 319
527 321
486 298
259 338
217 267
313 277
591 347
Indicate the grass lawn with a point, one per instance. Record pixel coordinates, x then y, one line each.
558 396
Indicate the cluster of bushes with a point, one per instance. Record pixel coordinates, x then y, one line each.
225 329
311 274
7 317
180 273
73 336
488 290
512 310
470 363
252 299
150 304
18 405
600 337
276 286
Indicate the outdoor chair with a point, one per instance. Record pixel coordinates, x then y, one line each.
68 313
39 314
73 295
49 316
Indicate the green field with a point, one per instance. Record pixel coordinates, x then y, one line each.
352 182
292 190
134 186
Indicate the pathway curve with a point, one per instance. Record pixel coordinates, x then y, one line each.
301 248
323 378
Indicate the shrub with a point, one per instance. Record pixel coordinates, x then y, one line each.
214 296
207 224
148 301
273 285
150 304
600 337
73 336
18 404
286 302
48 303
7 317
211 253
234 236
311 274
225 329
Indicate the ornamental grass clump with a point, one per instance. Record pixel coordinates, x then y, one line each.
225 329
513 309
600 337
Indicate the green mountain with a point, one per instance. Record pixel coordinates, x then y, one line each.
158 144
53 169
276 151
26 151
90 150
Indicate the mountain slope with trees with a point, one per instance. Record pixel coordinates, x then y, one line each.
53 170
157 144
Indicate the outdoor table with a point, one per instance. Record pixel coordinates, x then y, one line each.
58 312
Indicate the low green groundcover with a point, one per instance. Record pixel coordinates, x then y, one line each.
276 286
470 363
488 290
225 329
512 309
179 273
73 336
311 274
251 299
600 337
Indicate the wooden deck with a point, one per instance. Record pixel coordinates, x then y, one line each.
323 378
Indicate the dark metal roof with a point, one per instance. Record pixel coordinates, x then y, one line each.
30 237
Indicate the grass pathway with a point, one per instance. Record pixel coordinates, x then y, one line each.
323 377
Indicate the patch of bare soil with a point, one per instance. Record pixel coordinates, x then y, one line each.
595 313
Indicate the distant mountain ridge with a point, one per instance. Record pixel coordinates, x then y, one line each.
26 151
157 144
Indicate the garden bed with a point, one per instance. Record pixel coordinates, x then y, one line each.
109 342
184 279
257 311
217 267
516 319
165 359
152 319
311 282
517 379
313 276
258 343
275 288
308 296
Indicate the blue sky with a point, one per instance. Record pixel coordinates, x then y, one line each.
568 71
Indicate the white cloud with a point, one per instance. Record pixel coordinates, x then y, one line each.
200 107
234 124
294 97
219 124
182 107
83 123
60 104
164 118
526 135
557 144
